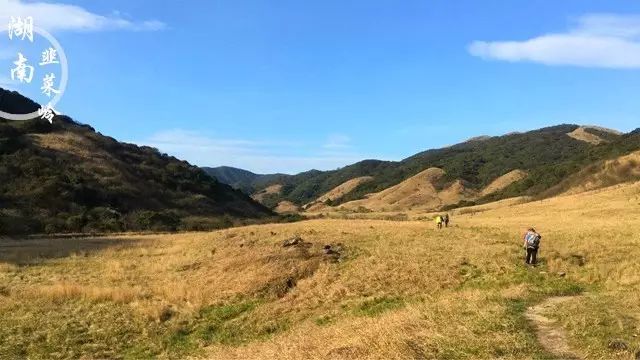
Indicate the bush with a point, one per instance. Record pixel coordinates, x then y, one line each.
18 225
103 219
76 223
290 218
154 220
193 223
463 203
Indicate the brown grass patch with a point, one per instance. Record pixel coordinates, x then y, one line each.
503 181
582 135
270 190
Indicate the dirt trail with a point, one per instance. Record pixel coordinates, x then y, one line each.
550 335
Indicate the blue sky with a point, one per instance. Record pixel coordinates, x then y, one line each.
292 85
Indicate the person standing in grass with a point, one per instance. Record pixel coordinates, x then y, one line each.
446 220
531 245
438 221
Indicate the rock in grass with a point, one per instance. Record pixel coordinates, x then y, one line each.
296 240
333 252
333 249
618 345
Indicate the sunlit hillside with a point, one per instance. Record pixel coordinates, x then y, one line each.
65 177
344 289
538 163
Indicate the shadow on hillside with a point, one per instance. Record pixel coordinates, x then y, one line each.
34 251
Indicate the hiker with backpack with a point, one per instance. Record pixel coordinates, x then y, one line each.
531 245
446 220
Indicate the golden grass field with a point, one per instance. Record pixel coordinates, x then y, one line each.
398 289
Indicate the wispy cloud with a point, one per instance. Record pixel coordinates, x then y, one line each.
258 156
57 16
595 40
337 141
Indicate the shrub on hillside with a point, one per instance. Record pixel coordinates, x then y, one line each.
153 220
197 223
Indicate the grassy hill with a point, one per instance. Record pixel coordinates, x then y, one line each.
546 155
66 177
388 289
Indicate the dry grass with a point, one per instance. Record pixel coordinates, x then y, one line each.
624 168
70 142
582 135
337 193
83 146
286 207
503 181
399 289
62 291
420 192
270 190
416 192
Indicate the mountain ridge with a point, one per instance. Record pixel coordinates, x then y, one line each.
546 155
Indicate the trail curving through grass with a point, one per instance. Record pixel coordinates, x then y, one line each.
549 334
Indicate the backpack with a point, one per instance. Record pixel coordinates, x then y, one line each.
533 240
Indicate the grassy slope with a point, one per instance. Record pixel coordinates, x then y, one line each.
401 289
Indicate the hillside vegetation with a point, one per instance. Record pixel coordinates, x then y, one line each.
548 156
240 179
601 174
334 195
385 290
65 177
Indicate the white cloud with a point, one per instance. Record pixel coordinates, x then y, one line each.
337 141
57 16
257 156
596 40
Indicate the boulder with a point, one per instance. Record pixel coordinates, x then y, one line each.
333 252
